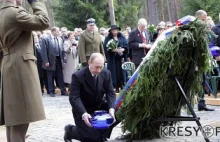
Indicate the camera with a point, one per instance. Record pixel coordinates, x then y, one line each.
74 43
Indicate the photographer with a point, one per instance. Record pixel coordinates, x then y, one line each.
70 58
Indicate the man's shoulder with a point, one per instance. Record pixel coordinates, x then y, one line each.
80 73
105 72
133 31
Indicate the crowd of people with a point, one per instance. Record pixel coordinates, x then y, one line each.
62 52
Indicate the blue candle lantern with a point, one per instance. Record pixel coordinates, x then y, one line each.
101 120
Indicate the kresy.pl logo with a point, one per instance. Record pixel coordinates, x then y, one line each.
188 131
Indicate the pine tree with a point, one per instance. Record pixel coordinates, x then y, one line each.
74 13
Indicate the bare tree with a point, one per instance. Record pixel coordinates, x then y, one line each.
168 10
152 12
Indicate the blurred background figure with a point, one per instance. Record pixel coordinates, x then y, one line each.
102 33
169 24
117 56
52 55
64 34
139 42
89 42
41 71
71 58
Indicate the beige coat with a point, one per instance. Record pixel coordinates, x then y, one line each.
72 61
89 43
20 98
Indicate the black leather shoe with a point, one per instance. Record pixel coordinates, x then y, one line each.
52 95
202 106
66 139
64 95
124 137
104 139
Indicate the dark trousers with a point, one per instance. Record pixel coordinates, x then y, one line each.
84 133
137 65
43 81
58 73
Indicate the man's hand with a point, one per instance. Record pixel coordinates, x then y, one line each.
86 118
31 1
112 113
217 58
47 64
115 50
148 46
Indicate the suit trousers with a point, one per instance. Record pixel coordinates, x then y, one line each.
58 73
84 133
16 133
136 66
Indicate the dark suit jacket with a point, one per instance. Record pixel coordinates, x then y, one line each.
39 62
83 95
48 52
133 41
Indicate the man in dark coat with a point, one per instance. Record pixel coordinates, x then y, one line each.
88 89
52 55
42 72
139 42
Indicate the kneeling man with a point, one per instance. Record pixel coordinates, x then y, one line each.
91 90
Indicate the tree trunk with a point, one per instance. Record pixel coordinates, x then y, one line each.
161 10
152 12
176 3
173 11
50 13
111 11
168 10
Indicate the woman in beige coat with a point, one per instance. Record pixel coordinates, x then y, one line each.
71 58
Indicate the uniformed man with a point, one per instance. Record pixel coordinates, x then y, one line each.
20 98
90 42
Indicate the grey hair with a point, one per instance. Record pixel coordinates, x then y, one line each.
199 13
142 21
64 29
55 29
96 55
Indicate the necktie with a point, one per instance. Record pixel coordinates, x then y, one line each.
56 46
95 80
143 38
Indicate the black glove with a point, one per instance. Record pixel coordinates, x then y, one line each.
31 1
84 64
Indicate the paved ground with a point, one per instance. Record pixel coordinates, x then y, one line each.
58 111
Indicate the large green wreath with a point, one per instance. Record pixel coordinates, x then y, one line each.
155 95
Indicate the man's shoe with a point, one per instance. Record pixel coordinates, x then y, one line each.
52 95
64 95
205 109
124 137
202 106
104 139
66 139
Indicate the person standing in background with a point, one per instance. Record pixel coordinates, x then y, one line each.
71 58
139 42
52 55
90 42
117 56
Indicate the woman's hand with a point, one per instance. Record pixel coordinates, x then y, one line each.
115 50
